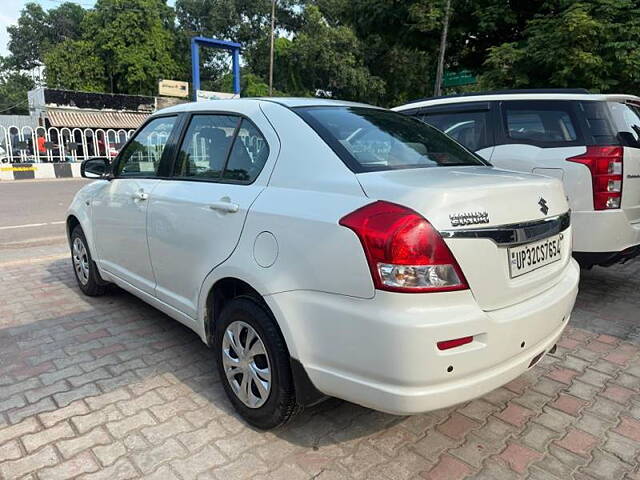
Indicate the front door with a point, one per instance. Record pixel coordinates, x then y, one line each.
195 219
119 210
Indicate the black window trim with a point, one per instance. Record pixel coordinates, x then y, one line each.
342 153
184 127
167 152
458 107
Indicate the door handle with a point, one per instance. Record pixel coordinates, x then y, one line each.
226 207
140 195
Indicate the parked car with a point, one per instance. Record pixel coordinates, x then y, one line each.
590 142
327 248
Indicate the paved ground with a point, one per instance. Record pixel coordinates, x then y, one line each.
33 211
110 388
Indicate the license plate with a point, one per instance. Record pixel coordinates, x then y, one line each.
527 258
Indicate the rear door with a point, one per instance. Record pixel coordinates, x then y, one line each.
468 123
626 118
196 217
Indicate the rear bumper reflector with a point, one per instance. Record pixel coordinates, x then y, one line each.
456 342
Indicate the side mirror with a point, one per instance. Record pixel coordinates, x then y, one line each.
98 167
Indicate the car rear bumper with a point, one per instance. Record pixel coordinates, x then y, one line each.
604 237
381 352
606 259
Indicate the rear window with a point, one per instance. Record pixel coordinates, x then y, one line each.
540 123
369 139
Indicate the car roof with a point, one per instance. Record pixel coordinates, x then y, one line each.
232 104
313 102
567 94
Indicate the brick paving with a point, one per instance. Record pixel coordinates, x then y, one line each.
110 388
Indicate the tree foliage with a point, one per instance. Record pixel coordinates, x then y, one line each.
13 90
142 52
324 59
379 51
28 38
574 44
75 65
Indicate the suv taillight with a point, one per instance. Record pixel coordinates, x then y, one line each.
404 251
605 165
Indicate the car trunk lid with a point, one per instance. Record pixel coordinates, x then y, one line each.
456 199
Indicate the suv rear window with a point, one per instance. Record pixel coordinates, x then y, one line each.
540 122
371 139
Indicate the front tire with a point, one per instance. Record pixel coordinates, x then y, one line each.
84 268
253 362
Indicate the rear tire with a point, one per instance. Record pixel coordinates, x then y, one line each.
249 344
84 268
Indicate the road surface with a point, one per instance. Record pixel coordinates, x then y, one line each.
32 215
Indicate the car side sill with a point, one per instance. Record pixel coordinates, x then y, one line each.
154 302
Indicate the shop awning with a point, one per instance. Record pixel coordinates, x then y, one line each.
115 120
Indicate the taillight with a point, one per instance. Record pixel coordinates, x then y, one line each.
404 251
605 165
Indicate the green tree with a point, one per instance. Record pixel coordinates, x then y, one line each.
13 90
572 44
136 42
75 65
65 23
37 31
247 22
326 60
28 37
400 41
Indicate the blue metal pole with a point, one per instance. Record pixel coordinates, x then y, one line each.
195 67
236 71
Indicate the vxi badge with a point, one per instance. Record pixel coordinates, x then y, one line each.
544 208
471 218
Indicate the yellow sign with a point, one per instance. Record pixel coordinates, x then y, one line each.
18 169
173 88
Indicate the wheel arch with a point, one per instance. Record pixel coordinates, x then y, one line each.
77 215
220 293
72 222
226 289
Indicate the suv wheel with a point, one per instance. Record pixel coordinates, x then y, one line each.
84 269
253 363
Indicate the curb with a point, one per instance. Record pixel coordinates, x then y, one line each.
31 171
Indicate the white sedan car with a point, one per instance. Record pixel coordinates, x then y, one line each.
327 248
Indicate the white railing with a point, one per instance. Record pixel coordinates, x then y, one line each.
20 145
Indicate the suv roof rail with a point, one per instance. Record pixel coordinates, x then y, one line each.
581 91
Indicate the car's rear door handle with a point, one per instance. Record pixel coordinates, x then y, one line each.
224 206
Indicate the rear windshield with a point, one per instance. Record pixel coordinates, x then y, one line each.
370 139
